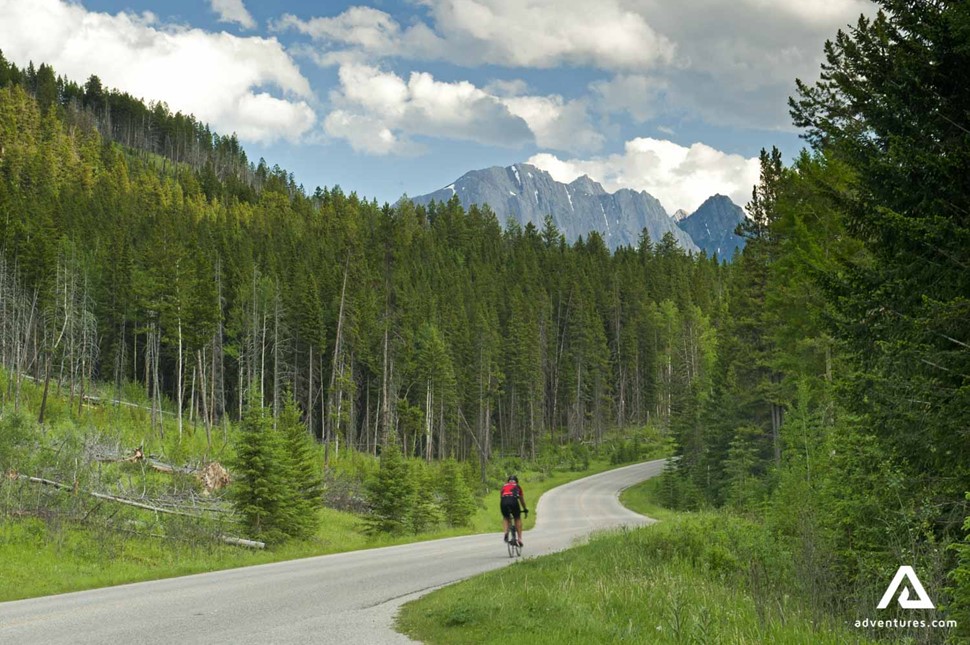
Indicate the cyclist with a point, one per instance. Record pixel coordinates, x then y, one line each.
512 497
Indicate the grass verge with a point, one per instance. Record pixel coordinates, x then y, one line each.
642 499
692 578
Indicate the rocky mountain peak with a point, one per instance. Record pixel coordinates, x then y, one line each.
528 194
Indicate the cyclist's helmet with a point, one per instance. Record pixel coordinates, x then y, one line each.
513 478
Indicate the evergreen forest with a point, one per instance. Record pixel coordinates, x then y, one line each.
816 384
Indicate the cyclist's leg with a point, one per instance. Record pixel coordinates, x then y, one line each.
506 517
518 529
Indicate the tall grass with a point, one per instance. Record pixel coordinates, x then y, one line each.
690 579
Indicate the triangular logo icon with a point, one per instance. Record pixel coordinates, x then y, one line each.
922 600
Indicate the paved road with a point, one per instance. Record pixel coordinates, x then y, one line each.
343 598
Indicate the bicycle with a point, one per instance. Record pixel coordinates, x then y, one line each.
513 542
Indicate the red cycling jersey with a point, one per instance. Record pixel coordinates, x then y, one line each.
511 489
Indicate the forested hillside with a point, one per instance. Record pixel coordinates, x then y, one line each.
138 247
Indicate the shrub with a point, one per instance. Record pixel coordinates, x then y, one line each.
15 440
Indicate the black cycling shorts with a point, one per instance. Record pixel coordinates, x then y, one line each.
510 507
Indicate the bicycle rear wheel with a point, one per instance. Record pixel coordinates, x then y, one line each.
514 549
513 540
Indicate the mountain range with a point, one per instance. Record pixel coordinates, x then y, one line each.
527 194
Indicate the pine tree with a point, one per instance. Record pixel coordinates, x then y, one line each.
457 501
260 491
426 512
302 468
391 493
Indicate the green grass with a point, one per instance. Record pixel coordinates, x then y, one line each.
636 587
692 578
642 499
37 559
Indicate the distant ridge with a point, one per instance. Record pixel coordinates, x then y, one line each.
527 194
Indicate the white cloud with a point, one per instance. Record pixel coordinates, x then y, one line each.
220 78
725 62
378 112
546 33
557 123
368 134
679 177
362 34
525 33
362 27
233 11
736 59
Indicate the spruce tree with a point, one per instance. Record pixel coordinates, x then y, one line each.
426 511
390 494
302 471
260 492
457 500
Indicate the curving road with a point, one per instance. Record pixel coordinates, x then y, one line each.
342 598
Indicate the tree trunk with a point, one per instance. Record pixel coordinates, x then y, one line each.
205 410
179 377
309 393
428 417
47 380
335 389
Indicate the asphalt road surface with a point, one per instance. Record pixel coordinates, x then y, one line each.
343 598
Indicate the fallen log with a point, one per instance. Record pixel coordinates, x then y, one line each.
137 455
99 400
162 467
228 539
153 463
252 544
110 498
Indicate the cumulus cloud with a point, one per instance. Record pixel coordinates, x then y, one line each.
546 33
233 11
220 78
725 62
557 123
369 134
680 177
379 112
527 33
736 60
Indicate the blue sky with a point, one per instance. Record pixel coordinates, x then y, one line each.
404 96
